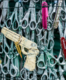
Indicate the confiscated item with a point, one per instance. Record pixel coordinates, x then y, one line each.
28 47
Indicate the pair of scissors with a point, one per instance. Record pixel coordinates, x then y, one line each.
49 74
25 74
8 52
12 22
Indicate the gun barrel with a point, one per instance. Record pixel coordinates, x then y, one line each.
10 34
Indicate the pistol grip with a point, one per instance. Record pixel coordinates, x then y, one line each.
30 62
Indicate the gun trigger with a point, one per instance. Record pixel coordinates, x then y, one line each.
18 49
0 61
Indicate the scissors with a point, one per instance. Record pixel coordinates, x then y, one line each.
62 39
33 22
49 74
13 67
60 58
13 20
25 74
25 20
12 70
54 10
49 28
10 21
41 61
50 39
33 16
6 69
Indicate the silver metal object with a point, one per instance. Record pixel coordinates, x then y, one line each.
10 21
44 76
25 21
54 10
15 22
5 10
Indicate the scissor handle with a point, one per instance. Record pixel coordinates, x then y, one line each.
23 74
13 70
5 69
15 25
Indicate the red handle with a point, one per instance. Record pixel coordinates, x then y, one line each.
63 44
44 14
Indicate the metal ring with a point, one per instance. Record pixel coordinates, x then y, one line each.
23 71
33 25
5 69
13 71
24 24
15 27
44 67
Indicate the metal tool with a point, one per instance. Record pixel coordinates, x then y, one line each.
15 22
10 21
25 20
50 39
62 39
33 22
33 17
13 69
50 10
5 68
5 10
54 10
41 61
60 58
